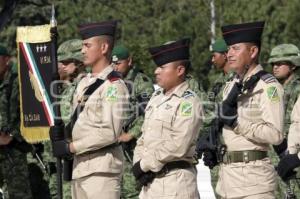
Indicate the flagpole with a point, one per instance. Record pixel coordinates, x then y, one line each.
56 108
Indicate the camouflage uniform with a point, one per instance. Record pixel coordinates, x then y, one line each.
284 52
140 88
196 87
139 85
13 163
215 95
47 179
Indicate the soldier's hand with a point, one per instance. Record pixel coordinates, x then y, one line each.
137 170
57 132
286 166
146 178
232 97
142 177
281 148
22 146
5 139
125 137
61 149
210 159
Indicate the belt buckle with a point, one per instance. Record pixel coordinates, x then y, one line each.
246 157
226 159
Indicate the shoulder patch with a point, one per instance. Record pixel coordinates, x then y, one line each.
186 108
111 93
188 94
273 94
268 78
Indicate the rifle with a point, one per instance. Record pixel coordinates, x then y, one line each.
22 146
129 146
211 143
289 194
214 138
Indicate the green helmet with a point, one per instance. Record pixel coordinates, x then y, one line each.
285 52
70 49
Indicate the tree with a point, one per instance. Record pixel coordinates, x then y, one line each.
144 23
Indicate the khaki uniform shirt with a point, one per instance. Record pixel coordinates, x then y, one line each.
294 132
259 123
99 125
170 128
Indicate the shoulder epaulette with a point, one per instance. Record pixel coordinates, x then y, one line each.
157 92
268 78
114 76
187 94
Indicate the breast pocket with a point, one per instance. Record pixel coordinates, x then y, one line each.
152 126
93 109
166 119
250 110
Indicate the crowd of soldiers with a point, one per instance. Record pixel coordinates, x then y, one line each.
127 140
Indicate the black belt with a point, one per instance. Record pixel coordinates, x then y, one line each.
173 165
113 145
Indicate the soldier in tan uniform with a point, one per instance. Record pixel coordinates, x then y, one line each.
164 153
291 161
252 114
98 159
287 166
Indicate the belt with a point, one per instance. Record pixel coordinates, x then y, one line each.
113 145
173 165
243 156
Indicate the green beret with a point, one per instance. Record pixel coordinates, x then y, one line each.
219 46
119 53
3 50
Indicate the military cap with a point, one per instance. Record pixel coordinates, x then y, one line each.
219 46
3 50
241 33
285 52
97 29
119 53
174 51
70 49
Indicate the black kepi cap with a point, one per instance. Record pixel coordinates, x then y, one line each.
242 33
97 29
170 52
